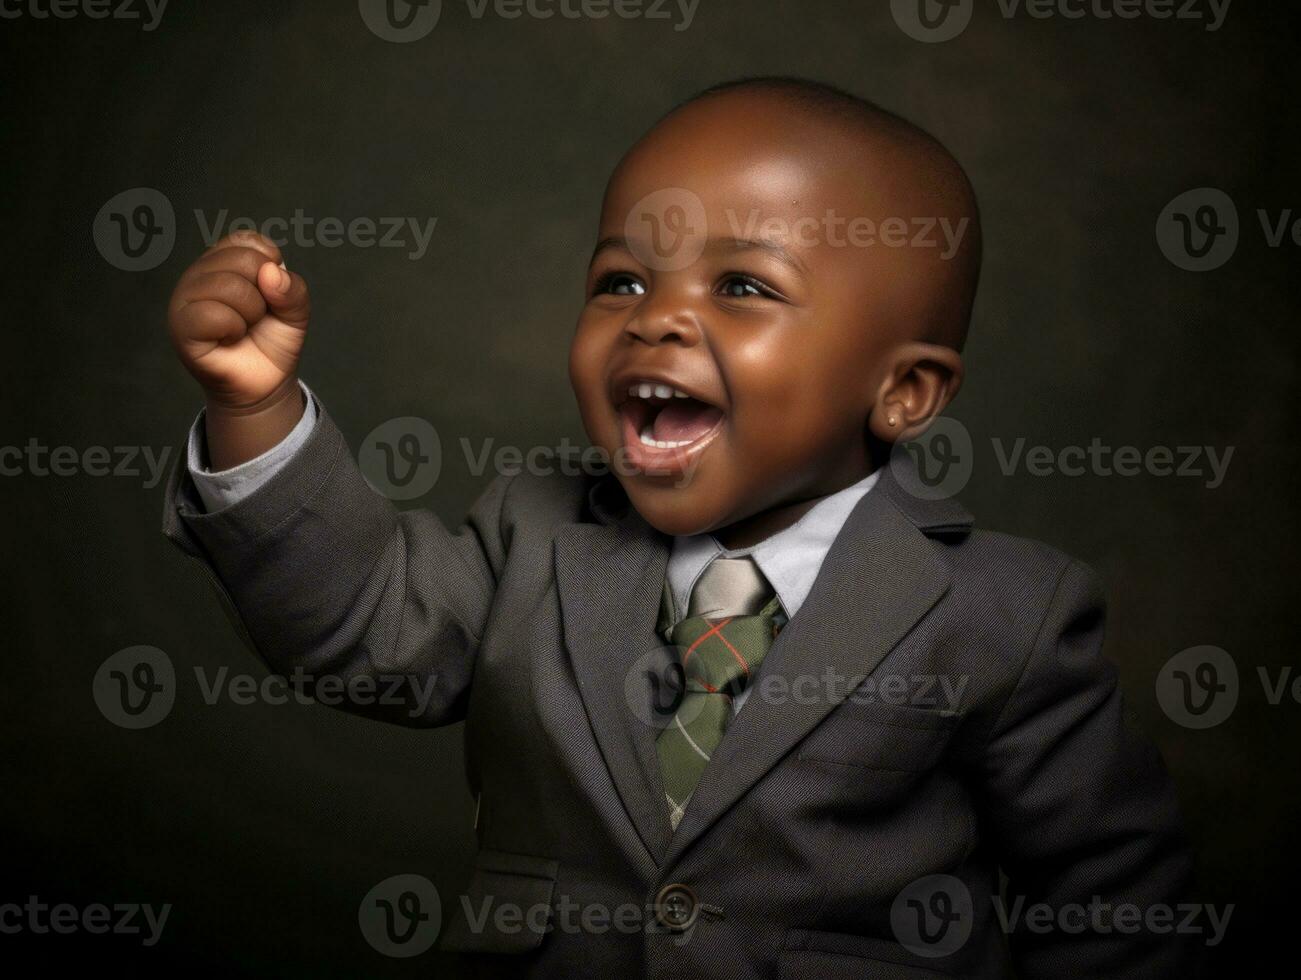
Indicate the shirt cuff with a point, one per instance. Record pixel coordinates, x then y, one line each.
225 488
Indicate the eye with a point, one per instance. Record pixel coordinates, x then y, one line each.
618 284
737 286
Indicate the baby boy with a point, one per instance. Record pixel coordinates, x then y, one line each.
742 706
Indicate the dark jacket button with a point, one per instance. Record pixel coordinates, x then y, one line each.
676 907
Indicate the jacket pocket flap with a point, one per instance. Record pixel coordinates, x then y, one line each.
507 906
881 736
831 956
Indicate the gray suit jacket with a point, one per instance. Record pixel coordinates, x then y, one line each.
854 821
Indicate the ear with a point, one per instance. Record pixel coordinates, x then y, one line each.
920 381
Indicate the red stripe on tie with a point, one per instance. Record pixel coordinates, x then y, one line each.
704 636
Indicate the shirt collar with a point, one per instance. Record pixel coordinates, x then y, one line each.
790 559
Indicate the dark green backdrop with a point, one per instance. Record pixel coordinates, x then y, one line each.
265 825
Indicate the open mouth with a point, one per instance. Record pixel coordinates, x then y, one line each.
663 425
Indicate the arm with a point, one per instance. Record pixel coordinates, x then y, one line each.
1081 808
328 580
375 611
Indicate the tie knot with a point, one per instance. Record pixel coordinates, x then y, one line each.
730 587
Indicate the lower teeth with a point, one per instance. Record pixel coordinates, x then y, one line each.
647 439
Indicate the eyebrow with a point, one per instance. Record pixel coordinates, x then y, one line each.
772 248
616 241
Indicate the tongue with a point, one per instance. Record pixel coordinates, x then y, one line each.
684 420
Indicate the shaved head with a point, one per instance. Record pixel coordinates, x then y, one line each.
892 157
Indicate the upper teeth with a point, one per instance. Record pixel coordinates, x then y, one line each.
645 389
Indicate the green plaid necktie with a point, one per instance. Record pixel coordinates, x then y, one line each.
731 622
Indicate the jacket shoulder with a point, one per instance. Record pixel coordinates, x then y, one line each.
1018 580
536 501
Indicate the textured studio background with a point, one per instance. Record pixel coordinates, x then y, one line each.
264 825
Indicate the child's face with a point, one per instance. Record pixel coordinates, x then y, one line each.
724 272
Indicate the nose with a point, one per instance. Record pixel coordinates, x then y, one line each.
668 318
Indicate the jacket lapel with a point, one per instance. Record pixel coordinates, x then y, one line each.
610 578
882 574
